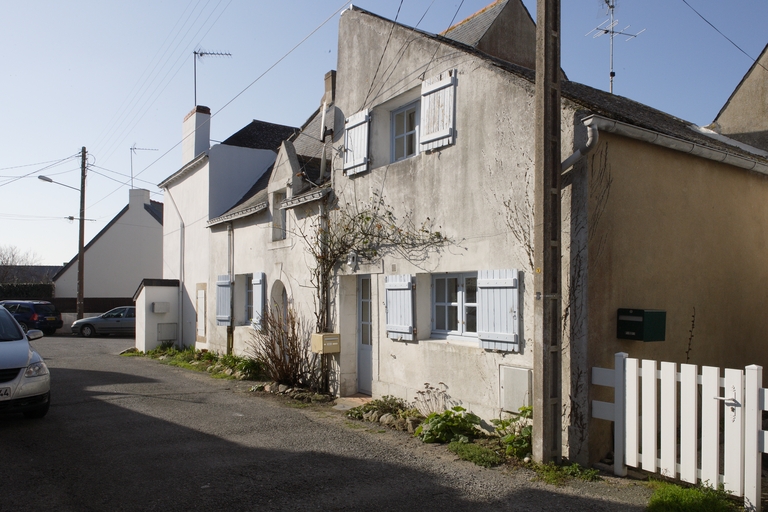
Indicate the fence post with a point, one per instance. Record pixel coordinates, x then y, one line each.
752 436
620 413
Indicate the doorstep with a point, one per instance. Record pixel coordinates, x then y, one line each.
350 402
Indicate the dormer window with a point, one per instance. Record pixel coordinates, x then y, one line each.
405 131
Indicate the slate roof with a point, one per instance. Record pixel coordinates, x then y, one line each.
155 209
471 30
253 201
260 135
608 105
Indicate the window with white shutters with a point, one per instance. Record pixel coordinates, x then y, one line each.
454 304
498 323
437 125
222 300
356 130
257 296
399 301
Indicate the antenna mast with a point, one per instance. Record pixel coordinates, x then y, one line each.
133 150
603 29
199 54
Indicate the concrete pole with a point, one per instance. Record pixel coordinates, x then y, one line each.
81 243
547 405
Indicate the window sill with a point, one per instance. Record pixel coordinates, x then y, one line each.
279 244
462 341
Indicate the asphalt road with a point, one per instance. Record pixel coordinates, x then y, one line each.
128 433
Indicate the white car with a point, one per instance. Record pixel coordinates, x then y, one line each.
25 383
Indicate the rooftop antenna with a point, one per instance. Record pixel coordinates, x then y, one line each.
199 54
608 27
133 150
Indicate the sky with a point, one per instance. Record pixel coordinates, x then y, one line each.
114 75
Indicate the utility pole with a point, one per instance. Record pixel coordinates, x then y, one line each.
81 244
547 388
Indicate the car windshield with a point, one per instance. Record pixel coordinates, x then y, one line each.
9 331
46 309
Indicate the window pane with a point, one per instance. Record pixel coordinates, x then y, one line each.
399 148
471 293
366 288
471 325
399 123
440 318
453 286
366 307
439 290
410 141
366 334
453 320
411 120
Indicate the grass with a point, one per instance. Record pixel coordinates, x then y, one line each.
218 366
668 497
553 474
477 453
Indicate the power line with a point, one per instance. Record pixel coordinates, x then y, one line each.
57 162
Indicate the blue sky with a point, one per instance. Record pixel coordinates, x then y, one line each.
108 75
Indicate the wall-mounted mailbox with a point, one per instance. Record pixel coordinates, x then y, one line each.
326 343
161 307
641 324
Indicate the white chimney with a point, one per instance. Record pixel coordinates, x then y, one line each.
137 198
196 133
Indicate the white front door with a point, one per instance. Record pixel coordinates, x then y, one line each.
364 335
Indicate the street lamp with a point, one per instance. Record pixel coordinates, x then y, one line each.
81 243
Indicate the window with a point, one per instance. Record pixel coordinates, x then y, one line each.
278 217
455 304
405 131
249 296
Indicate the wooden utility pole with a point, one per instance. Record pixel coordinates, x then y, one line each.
81 244
547 407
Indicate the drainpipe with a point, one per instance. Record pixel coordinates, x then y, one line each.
230 272
180 329
584 150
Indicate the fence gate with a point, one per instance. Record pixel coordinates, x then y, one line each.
698 427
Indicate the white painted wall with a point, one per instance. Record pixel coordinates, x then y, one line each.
119 258
147 321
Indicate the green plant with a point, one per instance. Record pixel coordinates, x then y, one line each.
669 497
553 474
478 454
384 405
516 433
455 424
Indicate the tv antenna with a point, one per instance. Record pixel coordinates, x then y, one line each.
608 27
199 54
134 149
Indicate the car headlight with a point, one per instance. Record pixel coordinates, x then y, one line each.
36 370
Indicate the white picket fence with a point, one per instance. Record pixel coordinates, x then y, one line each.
668 421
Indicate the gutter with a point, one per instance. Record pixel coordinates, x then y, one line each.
592 137
634 132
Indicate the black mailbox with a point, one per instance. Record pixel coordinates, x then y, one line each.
641 324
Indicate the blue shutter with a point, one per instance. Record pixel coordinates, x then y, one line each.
258 288
399 300
356 143
437 125
498 322
222 300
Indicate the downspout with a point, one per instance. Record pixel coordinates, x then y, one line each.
583 150
230 272
180 330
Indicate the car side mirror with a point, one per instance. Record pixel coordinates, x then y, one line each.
34 334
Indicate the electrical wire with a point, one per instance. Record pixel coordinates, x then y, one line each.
57 162
383 52
725 36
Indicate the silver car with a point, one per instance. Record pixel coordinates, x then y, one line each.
25 383
120 320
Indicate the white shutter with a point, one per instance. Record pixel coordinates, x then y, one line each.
200 313
222 300
257 284
498 322
399 297
356 142
438 111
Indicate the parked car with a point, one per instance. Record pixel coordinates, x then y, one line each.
34 314
120 320
25 383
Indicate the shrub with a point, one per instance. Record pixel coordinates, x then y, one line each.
516 433
433 399
282 347
455 424
480 455
384 405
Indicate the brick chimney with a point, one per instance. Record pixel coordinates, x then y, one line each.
196 132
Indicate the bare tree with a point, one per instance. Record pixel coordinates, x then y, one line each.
12 256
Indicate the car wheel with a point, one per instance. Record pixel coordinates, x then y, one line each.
87 331
38 412
24 327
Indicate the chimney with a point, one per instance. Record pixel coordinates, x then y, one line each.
196 132
137 198
330 88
